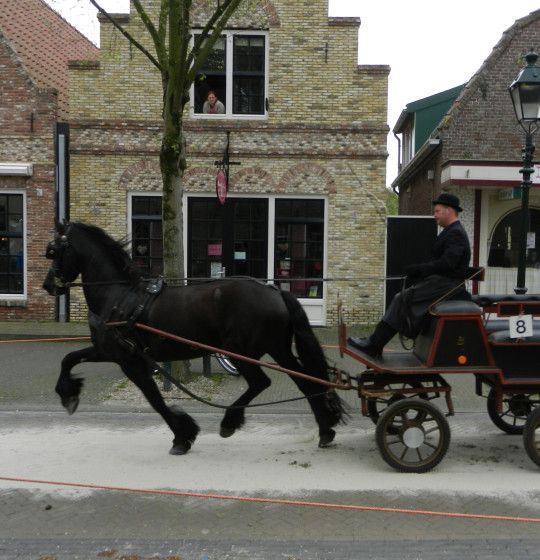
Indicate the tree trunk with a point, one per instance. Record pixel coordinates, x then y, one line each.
173 165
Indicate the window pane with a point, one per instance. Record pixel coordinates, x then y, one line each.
15 204
248 54
299 248
248 95
504 246
140 205
147 243
206 82
15 223
216 61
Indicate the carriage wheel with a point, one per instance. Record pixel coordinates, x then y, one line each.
516 408
531 436
422 438
377 405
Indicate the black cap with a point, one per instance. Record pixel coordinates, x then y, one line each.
447 199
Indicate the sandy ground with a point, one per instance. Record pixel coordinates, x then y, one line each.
273 455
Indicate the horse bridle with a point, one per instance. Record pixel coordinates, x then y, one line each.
55 253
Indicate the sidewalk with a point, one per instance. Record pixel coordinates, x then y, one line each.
228 387
42 329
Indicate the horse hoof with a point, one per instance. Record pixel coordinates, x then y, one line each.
325 440
226 432
179 449
70 404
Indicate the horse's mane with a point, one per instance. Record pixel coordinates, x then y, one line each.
117 249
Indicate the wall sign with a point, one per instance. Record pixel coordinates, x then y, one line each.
221 186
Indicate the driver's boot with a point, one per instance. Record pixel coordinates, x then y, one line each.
374 344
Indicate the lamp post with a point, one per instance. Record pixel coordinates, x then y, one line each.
525 93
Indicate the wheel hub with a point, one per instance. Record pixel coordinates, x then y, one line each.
413 437
520 405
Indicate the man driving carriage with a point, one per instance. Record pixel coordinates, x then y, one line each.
442 276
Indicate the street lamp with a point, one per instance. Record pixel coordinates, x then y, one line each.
525 93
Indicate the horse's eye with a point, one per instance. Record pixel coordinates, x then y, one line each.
63 238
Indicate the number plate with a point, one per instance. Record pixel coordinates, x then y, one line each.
521 326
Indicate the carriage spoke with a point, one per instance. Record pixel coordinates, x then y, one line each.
419 454
431 430
430 445
404 453
393 442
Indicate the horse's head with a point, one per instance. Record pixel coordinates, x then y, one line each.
64 267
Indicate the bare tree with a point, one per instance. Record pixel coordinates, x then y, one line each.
179 57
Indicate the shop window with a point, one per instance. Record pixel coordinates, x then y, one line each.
236 72
504 246
299 246
146 234
11 244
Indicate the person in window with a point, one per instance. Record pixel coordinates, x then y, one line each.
443 274
212 105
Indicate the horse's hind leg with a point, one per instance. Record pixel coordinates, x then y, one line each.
257 382
318 398
183 427
69 388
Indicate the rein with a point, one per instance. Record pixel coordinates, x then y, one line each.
96 283
183 388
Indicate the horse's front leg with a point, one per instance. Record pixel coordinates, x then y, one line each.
182 425
69 388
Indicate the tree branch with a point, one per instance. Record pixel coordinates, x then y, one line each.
219 20
149 24
128 36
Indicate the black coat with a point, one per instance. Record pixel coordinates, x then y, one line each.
443 273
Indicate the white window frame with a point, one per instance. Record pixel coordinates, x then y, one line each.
24 295
307 303
229 34
130 196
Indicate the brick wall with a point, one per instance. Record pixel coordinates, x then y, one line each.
27 117
325 134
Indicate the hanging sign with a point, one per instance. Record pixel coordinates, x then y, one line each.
221 186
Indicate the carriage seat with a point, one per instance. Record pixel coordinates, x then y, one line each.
456 307
503 337
485 300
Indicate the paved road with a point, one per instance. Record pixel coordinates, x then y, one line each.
119 442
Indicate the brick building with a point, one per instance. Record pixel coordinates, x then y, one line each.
35 45
307 125
474 151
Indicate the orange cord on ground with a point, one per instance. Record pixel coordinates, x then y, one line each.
508 518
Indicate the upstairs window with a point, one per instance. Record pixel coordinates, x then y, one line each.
236 71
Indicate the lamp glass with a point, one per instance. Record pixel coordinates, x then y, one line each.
530 101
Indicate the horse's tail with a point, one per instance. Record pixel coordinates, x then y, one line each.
311 354
309 350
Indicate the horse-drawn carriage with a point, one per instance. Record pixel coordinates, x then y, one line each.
494 338
136 322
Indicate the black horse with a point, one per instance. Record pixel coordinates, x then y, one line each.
240 315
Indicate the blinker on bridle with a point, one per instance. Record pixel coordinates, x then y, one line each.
55 251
